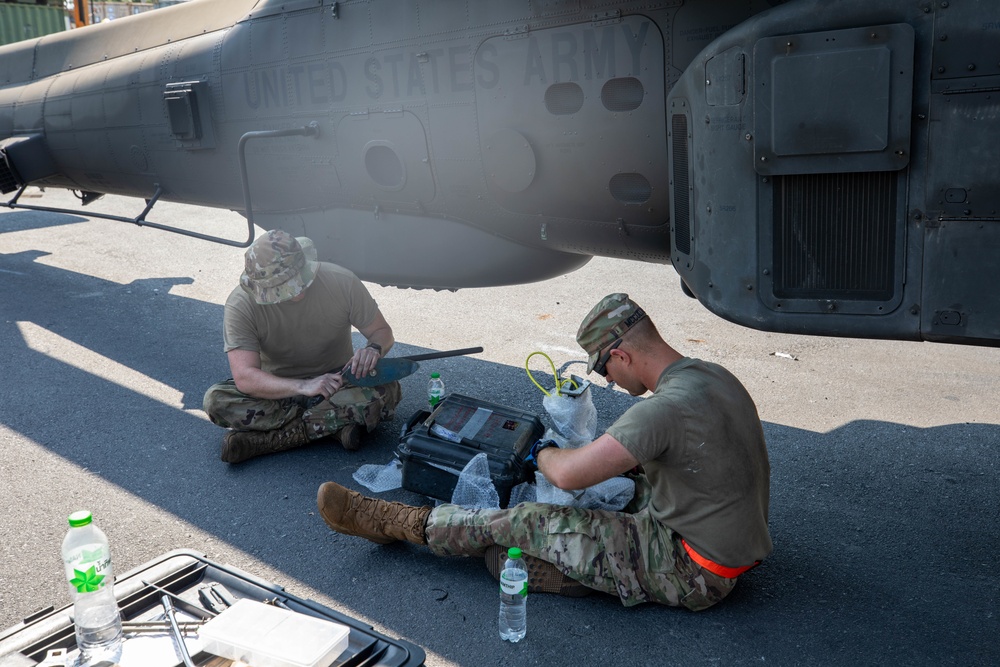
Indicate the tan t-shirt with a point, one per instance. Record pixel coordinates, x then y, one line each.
306 338
702 446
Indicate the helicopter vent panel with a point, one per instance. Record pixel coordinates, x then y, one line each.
837 101
622 94
630 188
190 122
563 99
682 193
835 236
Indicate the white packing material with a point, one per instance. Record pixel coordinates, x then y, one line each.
380 478
475 488
573 417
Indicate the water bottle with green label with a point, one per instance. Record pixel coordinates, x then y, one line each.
87 559
435 390
513 597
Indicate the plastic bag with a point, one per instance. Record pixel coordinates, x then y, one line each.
545 492
525 492
574 417
475 488
611 494
569 404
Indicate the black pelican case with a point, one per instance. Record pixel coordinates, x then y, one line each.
435 446
185 575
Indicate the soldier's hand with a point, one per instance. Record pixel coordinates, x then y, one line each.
325 385
363 362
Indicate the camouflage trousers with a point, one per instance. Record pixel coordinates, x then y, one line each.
228 407
627 554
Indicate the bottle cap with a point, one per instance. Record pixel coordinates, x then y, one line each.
513 553
80 519
435 375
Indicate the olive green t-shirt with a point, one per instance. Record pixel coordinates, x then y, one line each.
306 338
702 446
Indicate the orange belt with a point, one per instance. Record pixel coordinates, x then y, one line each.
713 567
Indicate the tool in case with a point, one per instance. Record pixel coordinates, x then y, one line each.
218 608
435 446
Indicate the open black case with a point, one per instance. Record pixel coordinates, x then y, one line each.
194 584
435 447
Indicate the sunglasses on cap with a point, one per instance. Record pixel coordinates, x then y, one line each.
603 360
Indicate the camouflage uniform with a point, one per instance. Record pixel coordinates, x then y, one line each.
628 554
635 554
228 407
277 269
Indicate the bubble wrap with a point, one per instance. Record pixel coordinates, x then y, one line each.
380 478
575 418
475 488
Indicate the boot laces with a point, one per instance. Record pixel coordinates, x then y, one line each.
385 515
289 432
365 506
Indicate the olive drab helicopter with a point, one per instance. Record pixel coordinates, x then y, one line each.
806 166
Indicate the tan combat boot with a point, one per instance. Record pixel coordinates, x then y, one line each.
380 521
239 446
349 437
543 577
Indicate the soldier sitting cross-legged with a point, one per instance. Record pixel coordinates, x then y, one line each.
287 333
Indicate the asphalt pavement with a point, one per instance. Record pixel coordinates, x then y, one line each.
884 458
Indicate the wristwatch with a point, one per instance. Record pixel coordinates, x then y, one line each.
376 347
531 460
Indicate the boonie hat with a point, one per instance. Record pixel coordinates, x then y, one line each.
278 266
605 323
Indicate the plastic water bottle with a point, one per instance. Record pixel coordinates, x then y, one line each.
87 557
513 597
435 390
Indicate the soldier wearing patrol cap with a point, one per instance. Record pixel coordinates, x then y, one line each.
699 516
287 334
605 325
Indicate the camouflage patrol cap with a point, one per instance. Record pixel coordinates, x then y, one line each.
278 267
605 323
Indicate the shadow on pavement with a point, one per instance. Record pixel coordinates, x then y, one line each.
884 534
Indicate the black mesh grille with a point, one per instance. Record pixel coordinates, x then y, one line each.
834 236
8 182
682 201
622 94
630 188
563 98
